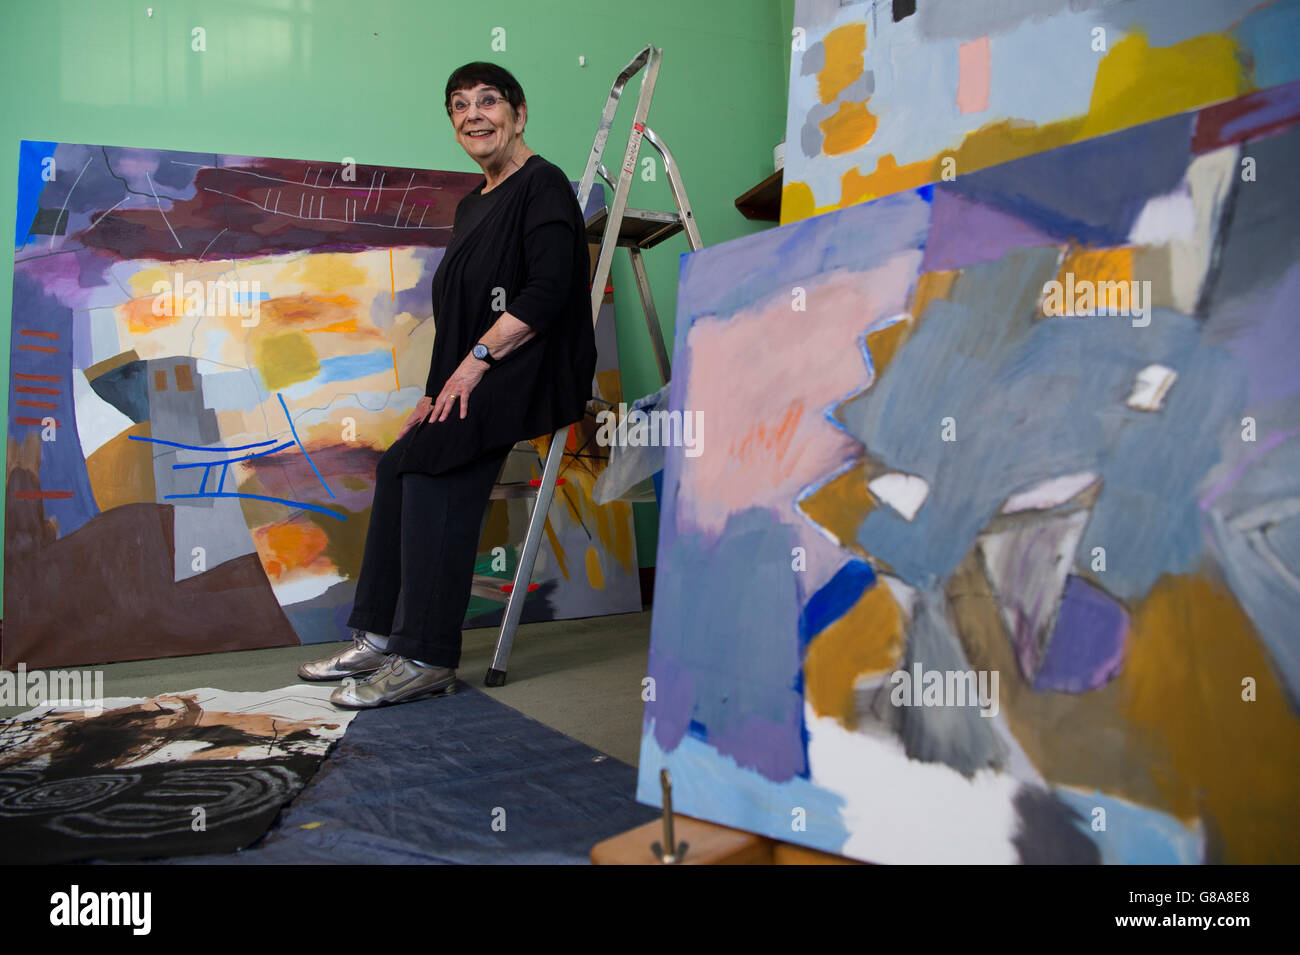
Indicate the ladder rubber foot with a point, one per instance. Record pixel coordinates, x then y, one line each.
495 677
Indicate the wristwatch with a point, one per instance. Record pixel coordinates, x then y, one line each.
480 351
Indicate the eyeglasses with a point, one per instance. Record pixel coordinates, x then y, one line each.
485 101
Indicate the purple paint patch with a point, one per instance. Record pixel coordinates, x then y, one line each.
671 708
763 745
964 232
1261 330
1087 646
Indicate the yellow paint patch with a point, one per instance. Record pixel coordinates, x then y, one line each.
883 343
285 359
557 549
326 272
1137 82
121 470
841 505
1191 645
624 549
929 286
609 384
850 127
866 641
796 202
844 48
595 576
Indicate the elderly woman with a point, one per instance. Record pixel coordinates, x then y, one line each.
513 358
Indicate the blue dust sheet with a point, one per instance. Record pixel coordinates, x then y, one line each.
423 782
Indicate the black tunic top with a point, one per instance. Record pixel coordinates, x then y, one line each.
522 245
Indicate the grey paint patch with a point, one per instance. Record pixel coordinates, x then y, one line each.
1048 832
814 59
954 735
859 89
1252 257
810 136
969 19
217 526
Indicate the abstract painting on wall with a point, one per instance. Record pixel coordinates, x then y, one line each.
887 96
992 552
208 355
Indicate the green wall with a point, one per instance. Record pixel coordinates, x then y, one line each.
324 79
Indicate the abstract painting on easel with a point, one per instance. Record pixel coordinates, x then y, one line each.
209 354
993 550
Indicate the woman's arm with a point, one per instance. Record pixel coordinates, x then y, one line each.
506 334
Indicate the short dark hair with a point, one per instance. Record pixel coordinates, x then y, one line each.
489 74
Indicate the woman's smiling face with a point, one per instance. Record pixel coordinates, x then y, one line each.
486 132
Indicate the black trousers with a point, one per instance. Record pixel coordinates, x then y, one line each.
418 563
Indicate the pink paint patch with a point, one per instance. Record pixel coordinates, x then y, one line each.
762 381
973 64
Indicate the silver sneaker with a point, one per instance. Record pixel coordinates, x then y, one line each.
357 660
397 681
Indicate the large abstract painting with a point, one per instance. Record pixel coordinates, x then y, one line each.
887 95
992 549
208 355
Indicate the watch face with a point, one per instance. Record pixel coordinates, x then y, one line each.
480 351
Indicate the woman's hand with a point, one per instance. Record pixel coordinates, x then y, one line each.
418 414
458 386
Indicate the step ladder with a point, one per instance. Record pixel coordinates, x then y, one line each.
614 225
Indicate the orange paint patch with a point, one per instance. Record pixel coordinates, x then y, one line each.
349 325
850 127
140 317
764 446
1104 269
889 177
844 48
307 312
289 545
184 378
